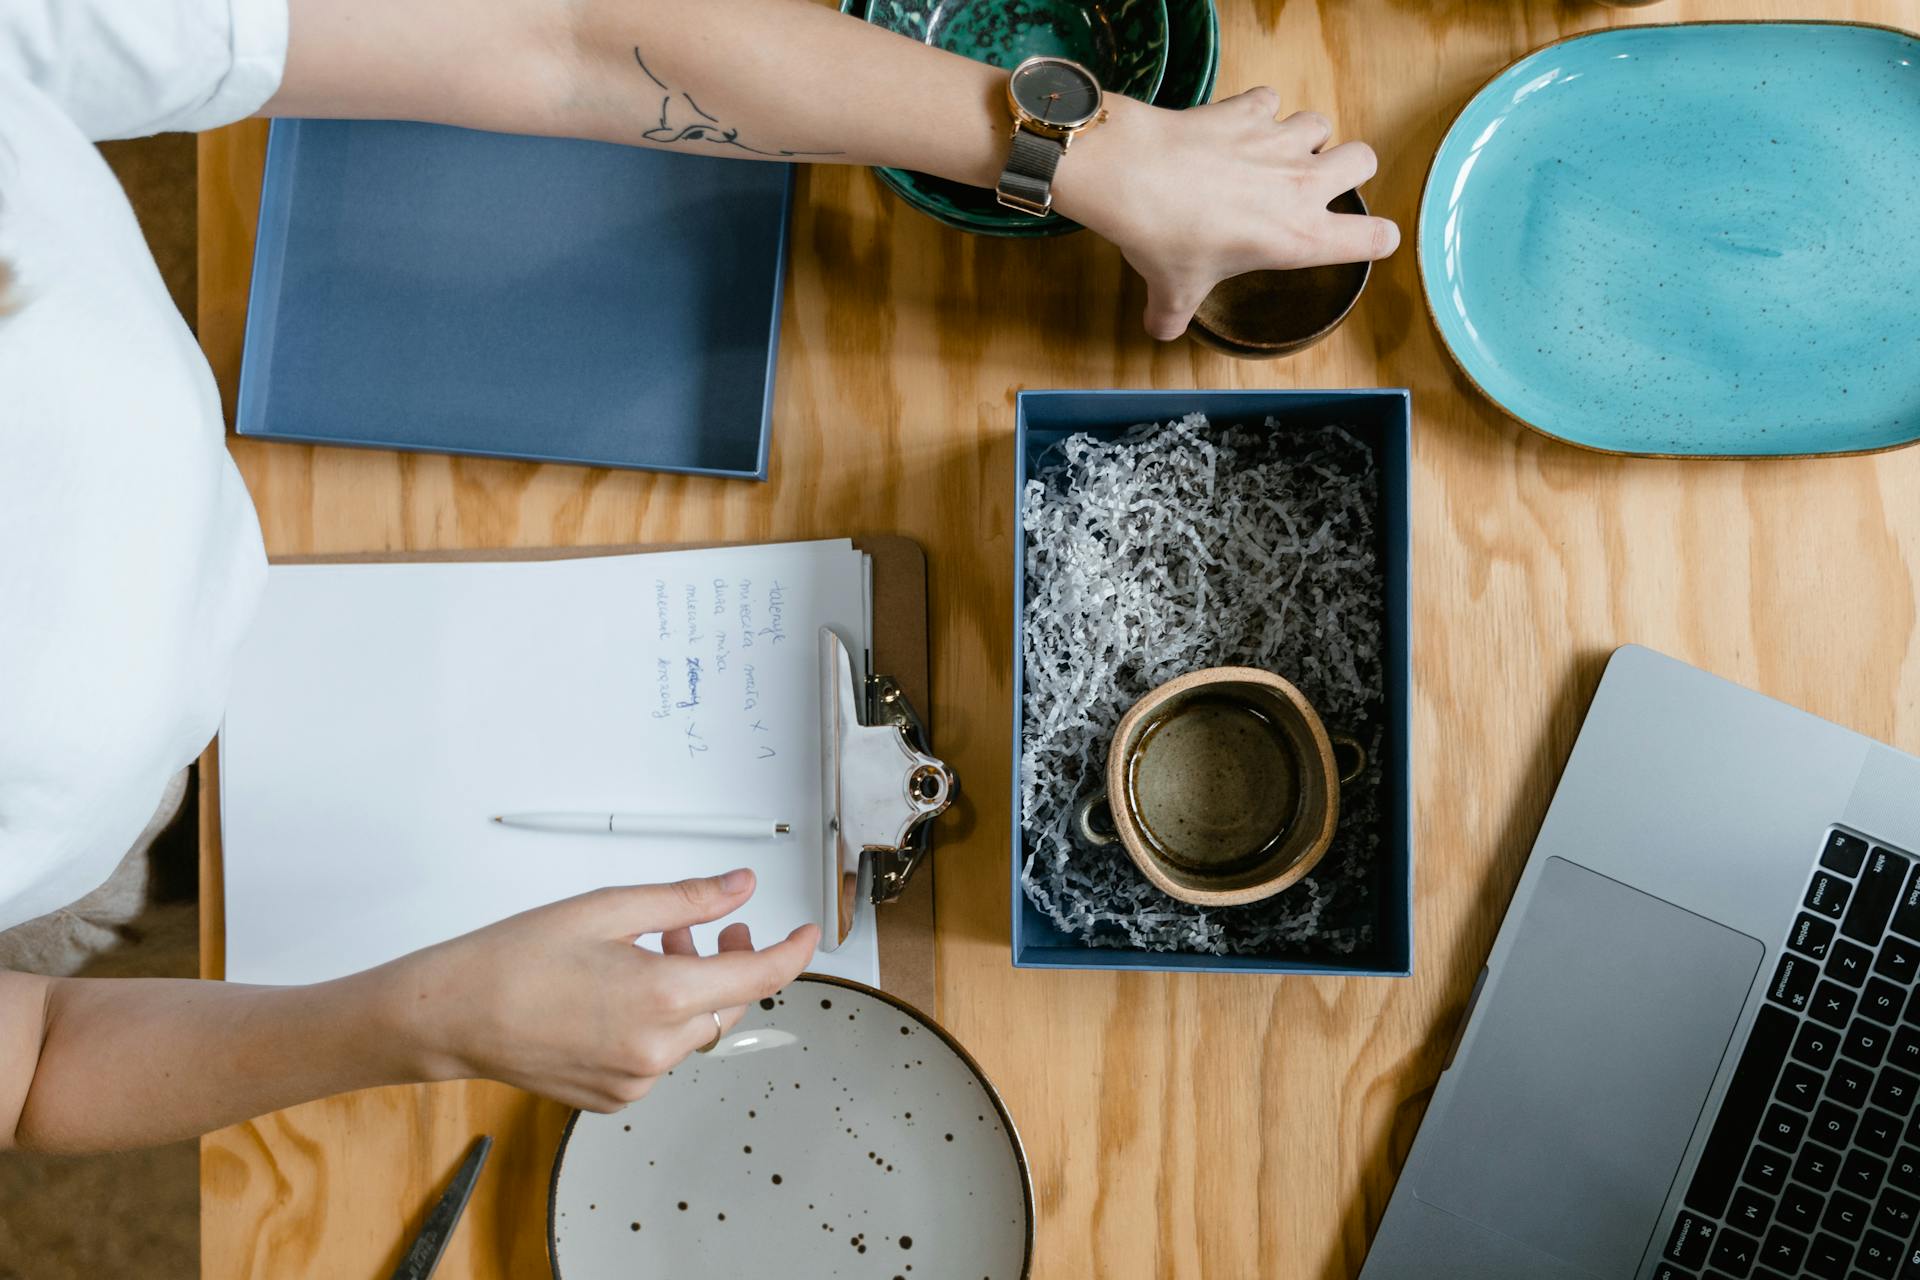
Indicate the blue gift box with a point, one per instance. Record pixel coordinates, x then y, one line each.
1381 418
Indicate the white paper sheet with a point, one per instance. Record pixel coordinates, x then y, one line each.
382 713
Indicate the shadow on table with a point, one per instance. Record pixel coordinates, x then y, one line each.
1460 957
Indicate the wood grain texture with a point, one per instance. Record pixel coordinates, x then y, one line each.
1216 1126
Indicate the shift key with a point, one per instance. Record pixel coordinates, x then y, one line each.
1874 899
1906 916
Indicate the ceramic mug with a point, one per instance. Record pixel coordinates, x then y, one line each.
1223 786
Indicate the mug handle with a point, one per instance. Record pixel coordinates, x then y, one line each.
1083 821
1355 753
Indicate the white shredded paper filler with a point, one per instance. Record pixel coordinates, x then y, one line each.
1170 548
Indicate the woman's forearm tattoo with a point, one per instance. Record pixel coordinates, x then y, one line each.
684 120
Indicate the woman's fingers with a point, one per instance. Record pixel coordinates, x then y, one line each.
700 1029
735 937
631 910
1309 128
1260 101
1346 166
734 977
1170 307
1352 237
679 942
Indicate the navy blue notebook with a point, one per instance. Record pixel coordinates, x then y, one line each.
430 288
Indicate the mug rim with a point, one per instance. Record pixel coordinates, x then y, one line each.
1131 838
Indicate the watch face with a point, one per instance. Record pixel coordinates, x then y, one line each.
1055 92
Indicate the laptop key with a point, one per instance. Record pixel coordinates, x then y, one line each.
1875 897
1844 853
1734 1251
1828 1256
1848 962
1690 1239
1895 1212
1799 1086
1783 1127
1879 1132
1905 1049
1866 1042
1816 1166
1783 1249
1749 1210
1810 935
1898 960
1862 1174
1814 1045
1912 1014
1799 1208
1832 1004
1846 1215
1882 1001
1667 1271
1850 1084
1906 916
1766 1169
1878 1255
1827 895
1903 1173
1793 980
1833 1124
1745 1101
1895 1089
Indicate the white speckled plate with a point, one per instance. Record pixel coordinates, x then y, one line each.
866 1145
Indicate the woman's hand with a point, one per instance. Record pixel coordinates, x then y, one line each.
1192 197
559 1000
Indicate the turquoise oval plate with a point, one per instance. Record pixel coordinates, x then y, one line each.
1693 240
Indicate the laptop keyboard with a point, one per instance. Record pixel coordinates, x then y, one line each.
1813 1164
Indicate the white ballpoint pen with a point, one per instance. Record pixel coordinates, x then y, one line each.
692 825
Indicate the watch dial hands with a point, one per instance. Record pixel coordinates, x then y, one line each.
1054 97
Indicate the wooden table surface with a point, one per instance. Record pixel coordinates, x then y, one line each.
1191 1126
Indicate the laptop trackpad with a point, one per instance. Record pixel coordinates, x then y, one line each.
1584 1072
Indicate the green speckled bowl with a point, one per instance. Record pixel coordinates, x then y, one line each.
1193 65
1193 54
1123 42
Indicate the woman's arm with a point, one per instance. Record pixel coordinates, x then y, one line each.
557 1000
1190 197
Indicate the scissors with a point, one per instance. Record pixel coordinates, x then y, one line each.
424 1254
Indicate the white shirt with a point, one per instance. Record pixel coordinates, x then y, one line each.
130 558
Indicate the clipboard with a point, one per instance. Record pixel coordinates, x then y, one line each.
898 644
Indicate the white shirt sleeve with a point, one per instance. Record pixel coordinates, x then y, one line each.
128 68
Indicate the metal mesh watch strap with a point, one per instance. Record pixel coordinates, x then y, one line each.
1027 181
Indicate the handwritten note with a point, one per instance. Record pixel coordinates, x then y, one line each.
381 713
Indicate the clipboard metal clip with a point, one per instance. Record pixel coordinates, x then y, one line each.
879 785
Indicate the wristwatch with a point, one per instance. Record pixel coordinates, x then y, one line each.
1053 100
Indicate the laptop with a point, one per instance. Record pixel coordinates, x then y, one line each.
1695 1049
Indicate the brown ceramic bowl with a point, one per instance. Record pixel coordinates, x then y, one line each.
1264 314
1312 797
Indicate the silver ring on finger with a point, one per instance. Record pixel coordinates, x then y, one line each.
718 1031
